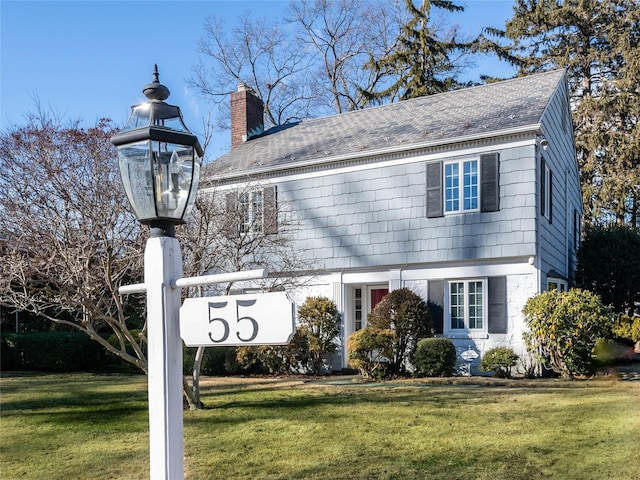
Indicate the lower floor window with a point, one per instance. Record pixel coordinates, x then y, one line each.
557 284
466 304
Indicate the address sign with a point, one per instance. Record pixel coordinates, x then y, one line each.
236 320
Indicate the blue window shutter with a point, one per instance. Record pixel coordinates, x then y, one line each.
434 189
550 196
543 187
490 182
497 304
436 304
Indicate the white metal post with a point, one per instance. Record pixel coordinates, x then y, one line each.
162 265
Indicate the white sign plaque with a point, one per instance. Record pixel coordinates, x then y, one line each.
469 355
237 320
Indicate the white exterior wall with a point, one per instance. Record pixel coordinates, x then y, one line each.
522 280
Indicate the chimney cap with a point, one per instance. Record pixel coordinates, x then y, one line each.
243 87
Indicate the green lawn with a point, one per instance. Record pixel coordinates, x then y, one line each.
83 426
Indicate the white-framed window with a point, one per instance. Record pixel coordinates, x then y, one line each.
467 306
557 284
252 211
461 188
250 205
463 185
546 190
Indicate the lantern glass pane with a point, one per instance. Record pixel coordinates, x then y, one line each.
173 170
157 114
140 117
194 187
167 116
135 169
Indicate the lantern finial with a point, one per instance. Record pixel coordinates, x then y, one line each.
155 90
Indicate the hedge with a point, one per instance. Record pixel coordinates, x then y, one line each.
53 351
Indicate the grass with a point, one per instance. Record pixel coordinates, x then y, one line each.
96 427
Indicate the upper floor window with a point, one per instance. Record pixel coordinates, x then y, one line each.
463 185
250 205
546 190
252 211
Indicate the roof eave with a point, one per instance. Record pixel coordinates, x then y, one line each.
535 129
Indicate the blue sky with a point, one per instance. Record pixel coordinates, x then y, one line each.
90 59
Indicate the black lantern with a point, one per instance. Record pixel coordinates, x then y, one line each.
159 160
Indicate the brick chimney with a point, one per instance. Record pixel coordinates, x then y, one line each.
247 115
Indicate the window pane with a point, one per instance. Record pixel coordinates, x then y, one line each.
245 212
457 305
452 187
256 211
470 185
475 304
250 205
358 309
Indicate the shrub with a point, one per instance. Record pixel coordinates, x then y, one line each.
213 360
627 328
52 351
499 360
609 265
319 322
369 350
608 352
564 328
275 359
435 357
408 316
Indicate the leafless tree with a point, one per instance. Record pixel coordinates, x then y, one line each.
237 229
260 55
315 61
345 35
69 240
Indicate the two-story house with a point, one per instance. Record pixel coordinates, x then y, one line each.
470 198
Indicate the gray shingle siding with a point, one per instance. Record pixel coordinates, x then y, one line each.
557 251
377 216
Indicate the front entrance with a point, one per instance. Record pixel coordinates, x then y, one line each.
365 300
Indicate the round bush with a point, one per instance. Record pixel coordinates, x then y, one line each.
408 316
435 357
369 350
499 360
564 328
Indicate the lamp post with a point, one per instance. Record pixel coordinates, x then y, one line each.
159 160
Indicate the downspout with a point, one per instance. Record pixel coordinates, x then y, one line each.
537 264
567 222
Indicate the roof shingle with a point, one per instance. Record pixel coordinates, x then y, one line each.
484 109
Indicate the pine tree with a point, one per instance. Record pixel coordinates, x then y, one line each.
422 64
597 41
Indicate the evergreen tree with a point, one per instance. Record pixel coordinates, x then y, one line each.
421 64
597 41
